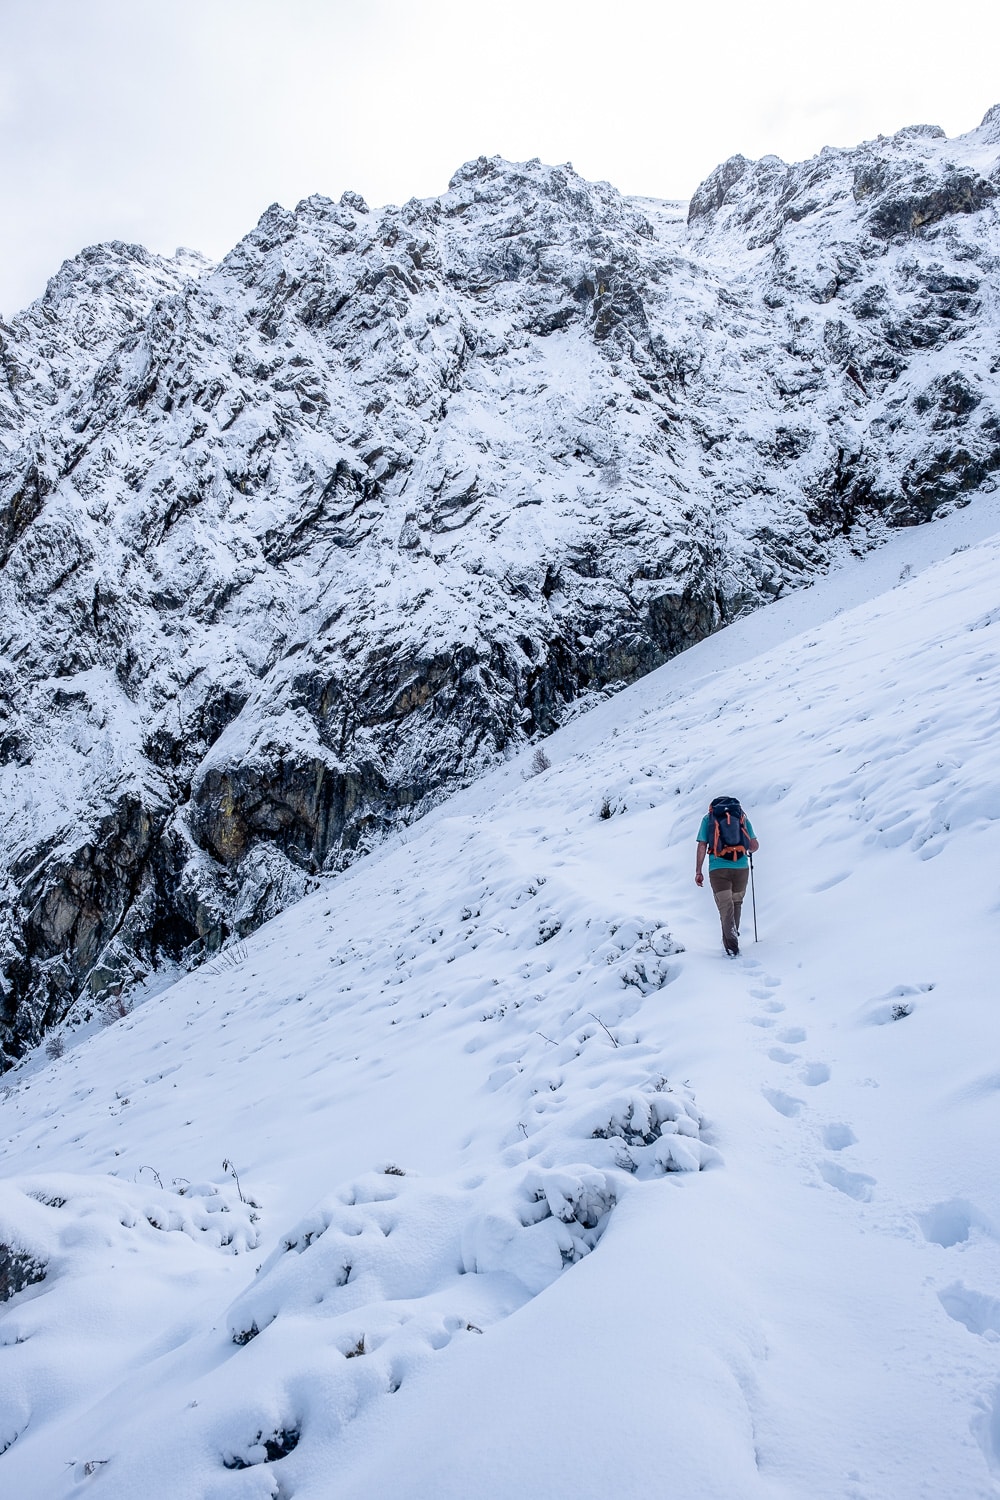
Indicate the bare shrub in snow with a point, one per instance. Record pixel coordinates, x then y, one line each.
114 1006
264 1450
227 1166
229 958
539 762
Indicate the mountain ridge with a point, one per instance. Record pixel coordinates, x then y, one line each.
294 543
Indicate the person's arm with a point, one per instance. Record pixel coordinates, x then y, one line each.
699 878
753 846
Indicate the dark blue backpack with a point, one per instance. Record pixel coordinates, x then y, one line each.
727 829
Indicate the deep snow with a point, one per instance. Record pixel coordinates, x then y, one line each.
524 1008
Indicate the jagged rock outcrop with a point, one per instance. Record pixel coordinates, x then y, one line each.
291 543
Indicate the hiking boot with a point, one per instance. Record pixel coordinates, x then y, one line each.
733 949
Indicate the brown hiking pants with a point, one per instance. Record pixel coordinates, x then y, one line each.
729 888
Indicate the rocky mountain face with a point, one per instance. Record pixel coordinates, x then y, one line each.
291 544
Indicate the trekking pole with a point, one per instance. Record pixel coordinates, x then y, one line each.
753 901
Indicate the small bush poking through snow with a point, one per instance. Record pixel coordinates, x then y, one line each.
264 1450
539 762
114 1006
90 1467
227 959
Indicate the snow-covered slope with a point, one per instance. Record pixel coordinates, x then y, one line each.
400 1195
290 543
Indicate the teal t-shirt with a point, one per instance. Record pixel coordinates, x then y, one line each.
714 862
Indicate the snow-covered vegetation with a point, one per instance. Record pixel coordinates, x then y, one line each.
481 1170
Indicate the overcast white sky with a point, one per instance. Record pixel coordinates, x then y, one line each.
178 121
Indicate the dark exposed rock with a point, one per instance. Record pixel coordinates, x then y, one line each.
87 919
711 195
20 505
18 1270
905 207
941 477
952 398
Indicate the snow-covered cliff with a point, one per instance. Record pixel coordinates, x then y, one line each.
291 543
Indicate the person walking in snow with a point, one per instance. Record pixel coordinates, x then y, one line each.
726 835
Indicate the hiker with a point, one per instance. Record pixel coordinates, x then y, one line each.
726 835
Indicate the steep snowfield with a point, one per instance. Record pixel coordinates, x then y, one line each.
467 1086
